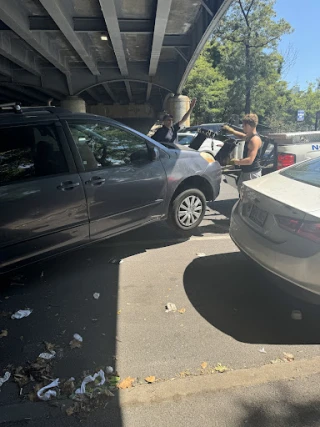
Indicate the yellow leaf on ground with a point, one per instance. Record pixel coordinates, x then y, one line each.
126 383
220 368
204 365
182 310
150 379
4 333
119 311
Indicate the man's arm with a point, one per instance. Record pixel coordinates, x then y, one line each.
253 148
234 132
188 113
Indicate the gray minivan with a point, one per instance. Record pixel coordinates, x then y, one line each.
71 179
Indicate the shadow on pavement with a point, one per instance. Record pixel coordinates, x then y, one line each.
60 293
283 408
239 299
217 218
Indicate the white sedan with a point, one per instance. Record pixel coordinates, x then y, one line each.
209 144
277 223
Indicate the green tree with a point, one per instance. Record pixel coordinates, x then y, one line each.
248 38
210 88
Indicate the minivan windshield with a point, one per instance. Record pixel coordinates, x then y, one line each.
308 172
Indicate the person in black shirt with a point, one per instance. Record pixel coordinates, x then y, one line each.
168 133
250 164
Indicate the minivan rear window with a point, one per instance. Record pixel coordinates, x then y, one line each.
308 172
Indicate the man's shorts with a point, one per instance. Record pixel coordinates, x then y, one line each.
247 176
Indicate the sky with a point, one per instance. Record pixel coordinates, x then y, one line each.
304 17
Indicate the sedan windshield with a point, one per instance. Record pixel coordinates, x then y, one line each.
308 172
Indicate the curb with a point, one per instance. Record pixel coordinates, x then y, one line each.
214 383
175 389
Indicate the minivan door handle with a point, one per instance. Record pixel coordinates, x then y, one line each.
96 181
68 185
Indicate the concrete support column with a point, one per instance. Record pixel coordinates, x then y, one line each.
74 104
177 106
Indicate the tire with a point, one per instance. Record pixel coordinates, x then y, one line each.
193 203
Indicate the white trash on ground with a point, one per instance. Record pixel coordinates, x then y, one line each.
90 379
47 356
262 350
20 314
5 378
109 370
170 307
46 395
96 295
78 337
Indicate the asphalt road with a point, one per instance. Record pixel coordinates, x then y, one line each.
231 309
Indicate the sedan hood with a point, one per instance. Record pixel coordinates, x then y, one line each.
288 191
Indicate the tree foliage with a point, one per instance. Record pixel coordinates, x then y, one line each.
241 70
210 88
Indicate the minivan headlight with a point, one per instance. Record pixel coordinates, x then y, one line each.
208 157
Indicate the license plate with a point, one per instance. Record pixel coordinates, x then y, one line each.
258 216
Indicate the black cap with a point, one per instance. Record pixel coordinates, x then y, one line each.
167 116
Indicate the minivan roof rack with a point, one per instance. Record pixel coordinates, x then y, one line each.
15 107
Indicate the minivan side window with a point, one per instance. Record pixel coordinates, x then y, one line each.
104 146
28 152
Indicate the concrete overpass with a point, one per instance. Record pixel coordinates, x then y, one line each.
120 58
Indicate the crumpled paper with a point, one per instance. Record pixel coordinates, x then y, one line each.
21 314
90 379
46 395
47 356
5 378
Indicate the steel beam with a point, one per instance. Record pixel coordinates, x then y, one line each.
207 8
177 41
92 24
5 67
109 92
149 88
14 50
129 91
93 95
15 96
110 16
162 15
224 6
15 16
59 12
181 54
26 92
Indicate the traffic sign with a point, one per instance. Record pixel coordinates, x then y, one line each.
300 116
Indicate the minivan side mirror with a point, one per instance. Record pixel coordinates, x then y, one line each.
154 153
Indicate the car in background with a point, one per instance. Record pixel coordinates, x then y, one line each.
69 179
277 224
209 145
214 127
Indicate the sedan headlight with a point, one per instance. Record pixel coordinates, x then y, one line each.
208 157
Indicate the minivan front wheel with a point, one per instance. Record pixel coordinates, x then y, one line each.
187 210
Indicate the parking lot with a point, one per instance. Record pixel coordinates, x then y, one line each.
228 311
